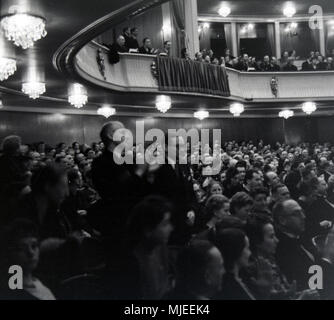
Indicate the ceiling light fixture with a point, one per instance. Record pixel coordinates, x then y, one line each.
201 115
106 111
7 68
286 114
237 109
289 10
163 104
33 89
78 96
224 11
23 29
309 107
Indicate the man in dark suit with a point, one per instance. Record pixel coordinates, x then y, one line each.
290 67
120 186
147 47
172 180
293 258
132 42
116 48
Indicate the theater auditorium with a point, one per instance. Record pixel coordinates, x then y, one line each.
166 150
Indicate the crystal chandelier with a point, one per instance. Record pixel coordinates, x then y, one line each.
7 68
23 29
237 109
201 115
286 114
163 104
224 11
106 112
309 107
33 89
78 96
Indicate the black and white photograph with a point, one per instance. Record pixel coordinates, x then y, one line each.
156 151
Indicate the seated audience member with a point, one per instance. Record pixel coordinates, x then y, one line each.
116 48
265 65
330 64
241 206
147 47
307 65
314 64
260 202
263 275
132 42
284 59
244 63
185 54
293 258
228 54
199 57
280 192
274 65
199 272
320 213
290 65
253 180
322 65
20 247
293 179
234 246
143 273
227 62
233 182
166 51
214 187
216 207
49 188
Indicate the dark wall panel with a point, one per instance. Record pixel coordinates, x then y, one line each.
55 128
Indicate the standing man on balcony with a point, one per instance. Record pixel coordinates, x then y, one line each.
132 41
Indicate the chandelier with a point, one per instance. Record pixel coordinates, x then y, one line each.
286 114
289 11
309 107
163 104
237 109
33 89
224 11
23 29
78 96
201 115
7 68
106 112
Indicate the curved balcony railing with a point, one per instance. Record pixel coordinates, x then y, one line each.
134 74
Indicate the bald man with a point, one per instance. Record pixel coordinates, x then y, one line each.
116 48
293 258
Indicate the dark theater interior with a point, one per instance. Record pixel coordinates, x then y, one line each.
177 150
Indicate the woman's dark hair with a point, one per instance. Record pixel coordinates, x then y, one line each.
145 216
255 231
46 175
183 53
231 243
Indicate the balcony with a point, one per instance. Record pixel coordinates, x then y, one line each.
134 74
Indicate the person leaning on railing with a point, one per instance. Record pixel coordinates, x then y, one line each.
116 48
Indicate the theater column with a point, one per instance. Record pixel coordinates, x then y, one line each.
277 40
191 26
234 37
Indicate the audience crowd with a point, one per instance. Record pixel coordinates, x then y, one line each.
83 227
128 42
